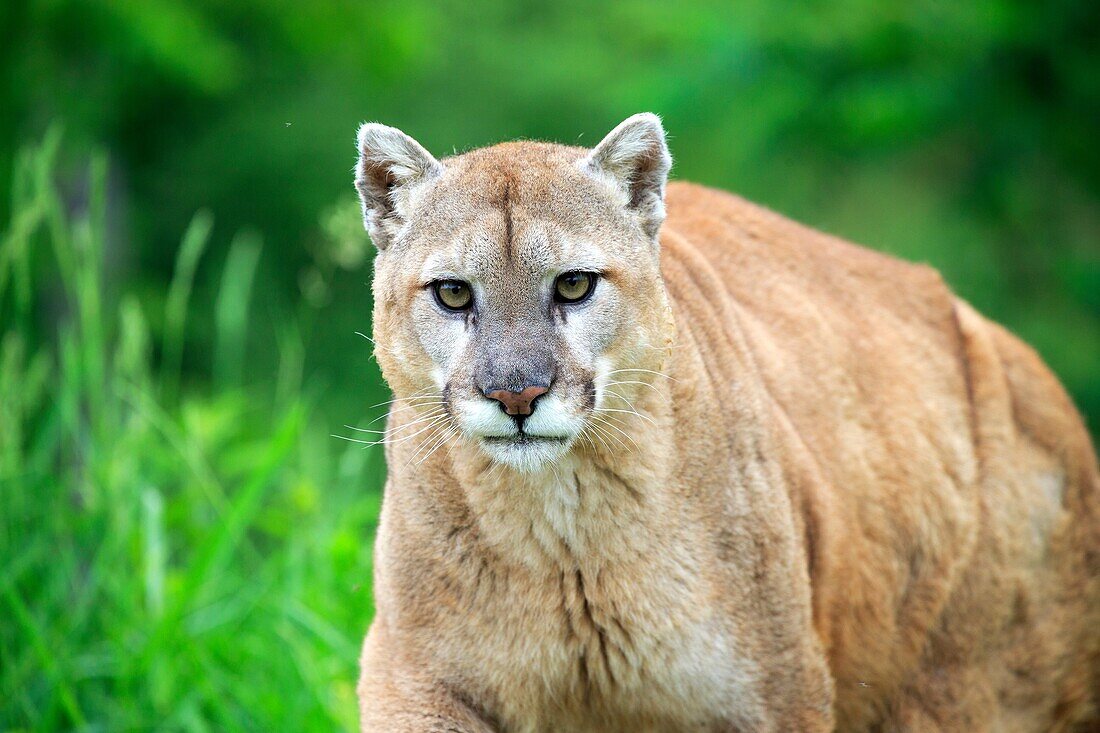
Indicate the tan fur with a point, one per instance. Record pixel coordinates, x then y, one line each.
853 503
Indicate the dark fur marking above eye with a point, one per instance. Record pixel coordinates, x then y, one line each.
502 199
509 231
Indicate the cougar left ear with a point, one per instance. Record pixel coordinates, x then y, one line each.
390 165
634 158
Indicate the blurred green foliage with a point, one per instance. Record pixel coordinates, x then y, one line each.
181 537
961 134
173 559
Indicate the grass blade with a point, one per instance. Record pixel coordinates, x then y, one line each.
194 243
231 309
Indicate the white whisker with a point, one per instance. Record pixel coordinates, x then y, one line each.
644 371
387 413
414 401
602 437
440 428
601 429
430 413
629 404
644 384
628 412
586 436
432 421
418 393
365 443
438 420
606 422
451 432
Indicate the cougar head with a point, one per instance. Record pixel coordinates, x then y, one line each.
519 283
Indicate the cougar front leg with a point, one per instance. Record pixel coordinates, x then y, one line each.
394 698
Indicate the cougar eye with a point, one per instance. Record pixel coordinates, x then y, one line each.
454 295
573 287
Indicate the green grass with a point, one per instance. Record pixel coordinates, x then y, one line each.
177 554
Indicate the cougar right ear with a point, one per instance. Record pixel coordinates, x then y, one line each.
634 158
391 164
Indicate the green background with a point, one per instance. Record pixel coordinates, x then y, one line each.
183 273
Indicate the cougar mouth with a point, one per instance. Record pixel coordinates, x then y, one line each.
524 439
526 452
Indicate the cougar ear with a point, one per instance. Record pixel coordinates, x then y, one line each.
634 158
391 164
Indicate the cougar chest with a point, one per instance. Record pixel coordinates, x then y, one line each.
605 621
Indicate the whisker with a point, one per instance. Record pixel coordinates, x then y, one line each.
488 475
387 413
591 440
605 438
628 412
442 441
426 399
418 393
629 404
606 422
614 419
601 430
440 429
430 413
432 420
438 420
364 430
618 424
365 443
387 441
644 371
644 384
498 468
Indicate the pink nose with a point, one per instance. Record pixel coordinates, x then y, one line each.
517 403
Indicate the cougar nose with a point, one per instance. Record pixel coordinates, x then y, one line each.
517 403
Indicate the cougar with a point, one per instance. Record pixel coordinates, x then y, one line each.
663 460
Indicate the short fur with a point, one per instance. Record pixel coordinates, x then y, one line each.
836 498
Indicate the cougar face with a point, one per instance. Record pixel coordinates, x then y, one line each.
517 282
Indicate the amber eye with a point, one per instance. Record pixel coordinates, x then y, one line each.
454 295
573 287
